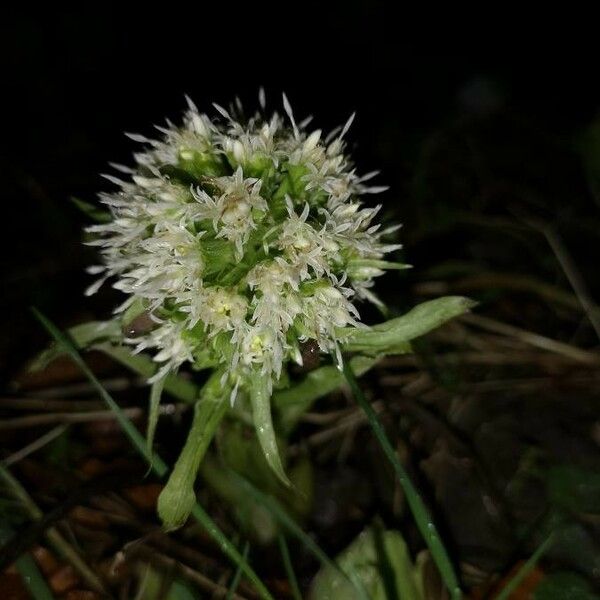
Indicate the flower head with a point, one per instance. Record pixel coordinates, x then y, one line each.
239 240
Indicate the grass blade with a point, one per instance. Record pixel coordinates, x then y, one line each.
238 574
28 569
418 509
289 568
156 463
514 583
33 579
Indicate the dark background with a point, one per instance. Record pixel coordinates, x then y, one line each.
512 99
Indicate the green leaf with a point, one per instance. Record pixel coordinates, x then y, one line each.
153 406
253 518
288 523
393 336
382 562
564 586
292 403
178 498
181 591
68 346
300 497
151 583
241 451
260 399
573 488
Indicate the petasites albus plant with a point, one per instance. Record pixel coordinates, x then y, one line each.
242 245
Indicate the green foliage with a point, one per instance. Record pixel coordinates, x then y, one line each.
241 453
254 519
181 591
33 578
564 586
573 489
391 337
158 585
86 335
178 387
104 336
156 463
288 523
289 568
178 498
382 562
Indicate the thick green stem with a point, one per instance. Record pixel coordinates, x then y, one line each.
178 498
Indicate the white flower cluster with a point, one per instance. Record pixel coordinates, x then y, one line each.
236 241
